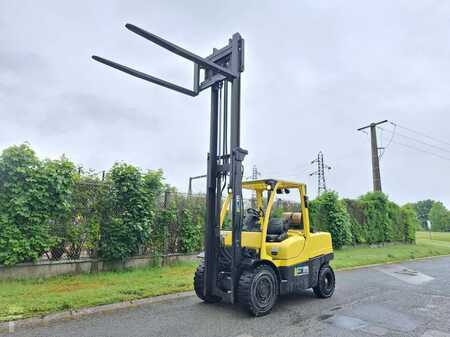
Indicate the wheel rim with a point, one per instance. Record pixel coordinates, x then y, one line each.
328 282
264 291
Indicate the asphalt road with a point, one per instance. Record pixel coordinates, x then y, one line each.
409 299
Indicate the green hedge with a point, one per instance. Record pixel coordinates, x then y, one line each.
376 219
329 214
371 218
48 207
34 201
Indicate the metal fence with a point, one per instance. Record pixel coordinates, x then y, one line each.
78 236
179 217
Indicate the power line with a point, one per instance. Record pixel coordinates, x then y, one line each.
421 150
421 133
416 140
389 142
295 172
276 172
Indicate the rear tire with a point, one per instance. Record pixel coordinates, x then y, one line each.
326 282
258 290
199 285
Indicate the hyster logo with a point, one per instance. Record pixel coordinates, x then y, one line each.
302 270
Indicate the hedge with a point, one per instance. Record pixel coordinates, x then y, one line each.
376 219
47 207
34 201
329 214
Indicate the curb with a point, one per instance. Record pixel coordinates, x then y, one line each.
74 314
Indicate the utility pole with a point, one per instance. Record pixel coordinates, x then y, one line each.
190 182
254 176
320 172
255 173
375 158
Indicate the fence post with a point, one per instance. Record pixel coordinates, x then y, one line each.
165 230
166 198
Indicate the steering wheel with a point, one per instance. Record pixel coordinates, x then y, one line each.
255 212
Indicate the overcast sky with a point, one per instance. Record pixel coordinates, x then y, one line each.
315 72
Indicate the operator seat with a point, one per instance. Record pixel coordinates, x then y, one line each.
294 220
277 230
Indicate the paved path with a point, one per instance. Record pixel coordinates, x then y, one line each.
409 299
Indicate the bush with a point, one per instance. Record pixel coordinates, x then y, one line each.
126 215
179 225
34 199
191 232
330 215
82 229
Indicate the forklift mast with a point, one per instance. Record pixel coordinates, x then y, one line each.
219 71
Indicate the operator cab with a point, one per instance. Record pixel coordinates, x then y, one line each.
276 206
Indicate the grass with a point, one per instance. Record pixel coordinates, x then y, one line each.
363 255
435 236
26 298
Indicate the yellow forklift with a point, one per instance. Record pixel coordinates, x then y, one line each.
280 255
259 256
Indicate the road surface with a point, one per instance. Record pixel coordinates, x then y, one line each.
408 299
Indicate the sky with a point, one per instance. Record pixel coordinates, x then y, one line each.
315 71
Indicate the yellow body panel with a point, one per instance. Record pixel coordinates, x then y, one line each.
317 244
288 249
291 251
248 239
298 247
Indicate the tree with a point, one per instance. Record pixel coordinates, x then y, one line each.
439 217
423 208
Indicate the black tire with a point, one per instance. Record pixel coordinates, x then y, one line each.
199 277
258 290
326 282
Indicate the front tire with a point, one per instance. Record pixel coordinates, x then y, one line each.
258 290
326 282
199 285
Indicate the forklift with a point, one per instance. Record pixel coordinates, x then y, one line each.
279 255
258 257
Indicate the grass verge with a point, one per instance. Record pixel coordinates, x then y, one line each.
26 298
435 236
363 255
